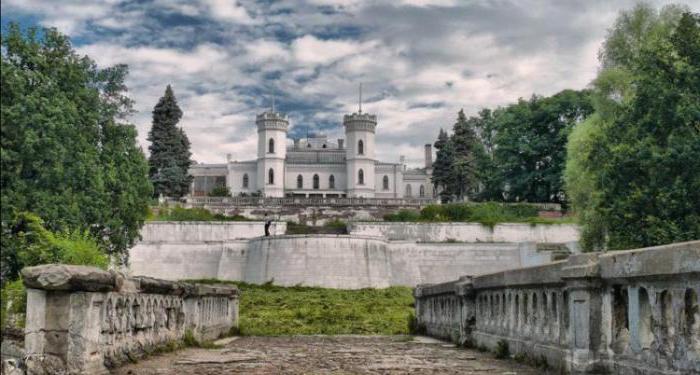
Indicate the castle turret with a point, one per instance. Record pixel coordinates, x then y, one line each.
359 134
272 150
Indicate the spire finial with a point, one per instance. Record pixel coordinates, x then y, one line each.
273 103
360 102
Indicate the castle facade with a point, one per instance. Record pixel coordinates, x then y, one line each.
316 166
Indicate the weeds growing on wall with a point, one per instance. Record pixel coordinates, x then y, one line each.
268 310
179 213
490 214
331 227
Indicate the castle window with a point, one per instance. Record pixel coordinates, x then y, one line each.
317 182
409 193
361 176
360 147
422 191
385 183
270 177
300 182
245 181
271 146
331 182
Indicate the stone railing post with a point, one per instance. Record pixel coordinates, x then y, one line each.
63 317
584 285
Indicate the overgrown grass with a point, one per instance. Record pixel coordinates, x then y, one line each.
179 213
490 213
331 227
267 310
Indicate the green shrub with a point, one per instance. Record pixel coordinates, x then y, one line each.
403 215
414 327
80 249
13 303
502 350
219 191
336 224
179 213
489 213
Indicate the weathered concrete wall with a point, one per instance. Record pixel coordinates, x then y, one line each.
84 320
332 261
189 260
631 312
468 232
201 231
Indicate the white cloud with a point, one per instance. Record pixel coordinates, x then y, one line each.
230 11
311 50
420 60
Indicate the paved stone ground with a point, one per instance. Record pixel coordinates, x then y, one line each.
328 355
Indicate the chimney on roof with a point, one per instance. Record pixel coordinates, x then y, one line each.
296 143
340 143
428 156
228 158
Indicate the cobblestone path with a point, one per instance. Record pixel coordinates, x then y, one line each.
328 355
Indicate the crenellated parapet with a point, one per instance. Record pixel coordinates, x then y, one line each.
87 320
272 121
625 312
360 122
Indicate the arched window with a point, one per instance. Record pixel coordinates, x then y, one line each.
300 182
270 177
385 183
317 182
271 146
245 181
361 176
408 191
422 191
360 147
331 182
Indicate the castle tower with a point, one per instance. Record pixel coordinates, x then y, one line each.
359 135
272 150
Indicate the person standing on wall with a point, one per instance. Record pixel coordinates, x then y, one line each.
268 222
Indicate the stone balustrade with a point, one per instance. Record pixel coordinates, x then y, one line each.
626 312
86 320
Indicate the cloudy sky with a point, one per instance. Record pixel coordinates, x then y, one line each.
420 61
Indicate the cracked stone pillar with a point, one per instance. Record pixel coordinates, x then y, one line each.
583 283
62 327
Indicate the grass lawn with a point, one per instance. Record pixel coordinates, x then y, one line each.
267 310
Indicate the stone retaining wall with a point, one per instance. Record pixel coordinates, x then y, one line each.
86 320
629 312
331 261
470 232
206 231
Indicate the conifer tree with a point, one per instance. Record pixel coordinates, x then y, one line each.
469 153
170 149
441 166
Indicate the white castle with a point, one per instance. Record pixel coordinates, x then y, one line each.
315 166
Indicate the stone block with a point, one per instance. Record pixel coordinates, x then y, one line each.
68 277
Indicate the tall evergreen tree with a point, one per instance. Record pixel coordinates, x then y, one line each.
170 149
469 155
441 167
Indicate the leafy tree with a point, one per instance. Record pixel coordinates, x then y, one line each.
66 153
520 148
634 168
170 149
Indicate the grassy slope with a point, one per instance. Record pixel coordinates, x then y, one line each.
267 310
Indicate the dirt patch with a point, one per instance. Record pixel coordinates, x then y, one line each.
328 355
